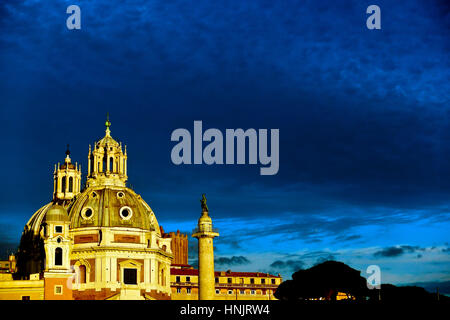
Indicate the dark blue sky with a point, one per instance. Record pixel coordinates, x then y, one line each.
363 116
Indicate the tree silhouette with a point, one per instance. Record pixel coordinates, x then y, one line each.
325 280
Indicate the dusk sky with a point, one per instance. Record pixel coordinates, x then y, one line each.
364 120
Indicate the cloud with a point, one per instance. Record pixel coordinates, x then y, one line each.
325 258
294 262
397 251
233 261
194 263
288 265
363 115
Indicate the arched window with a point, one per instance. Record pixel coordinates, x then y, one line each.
104 164
82 274
63 184
70 184
58 257
111 165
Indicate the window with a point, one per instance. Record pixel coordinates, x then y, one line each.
188 279
58 290
71 184
217 280
82 274
87 213
217 291
252 281
178 290
242 292
111 165
126 213
230 291
25 298
252 292
129 276
58 257
230 280
178 279
273 281
188 290
58 229
63 184
263 281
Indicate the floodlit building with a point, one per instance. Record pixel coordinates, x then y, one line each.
228 285
104 242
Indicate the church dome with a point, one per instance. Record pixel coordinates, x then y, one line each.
34 224
109 206
56 213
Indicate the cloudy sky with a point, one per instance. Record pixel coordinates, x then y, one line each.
363 117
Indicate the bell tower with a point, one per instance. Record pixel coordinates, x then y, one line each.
57 244
107 163
66 179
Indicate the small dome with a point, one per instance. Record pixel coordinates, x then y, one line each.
56 213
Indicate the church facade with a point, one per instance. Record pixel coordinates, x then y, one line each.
106 235
103 242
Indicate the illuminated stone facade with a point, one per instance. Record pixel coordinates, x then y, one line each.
105 237
228 285
104 242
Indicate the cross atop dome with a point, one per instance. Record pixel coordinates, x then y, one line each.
68 160
107 124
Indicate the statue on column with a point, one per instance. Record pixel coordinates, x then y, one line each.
203 203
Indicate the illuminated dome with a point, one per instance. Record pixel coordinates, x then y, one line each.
56 213
111 207
106 234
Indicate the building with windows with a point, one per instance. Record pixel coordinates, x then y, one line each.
103 241
228 285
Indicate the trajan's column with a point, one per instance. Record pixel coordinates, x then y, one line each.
205 235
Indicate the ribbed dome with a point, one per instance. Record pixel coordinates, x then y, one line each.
111 207
56 213
36 220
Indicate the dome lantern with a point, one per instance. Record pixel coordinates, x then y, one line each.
66 179
107 164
